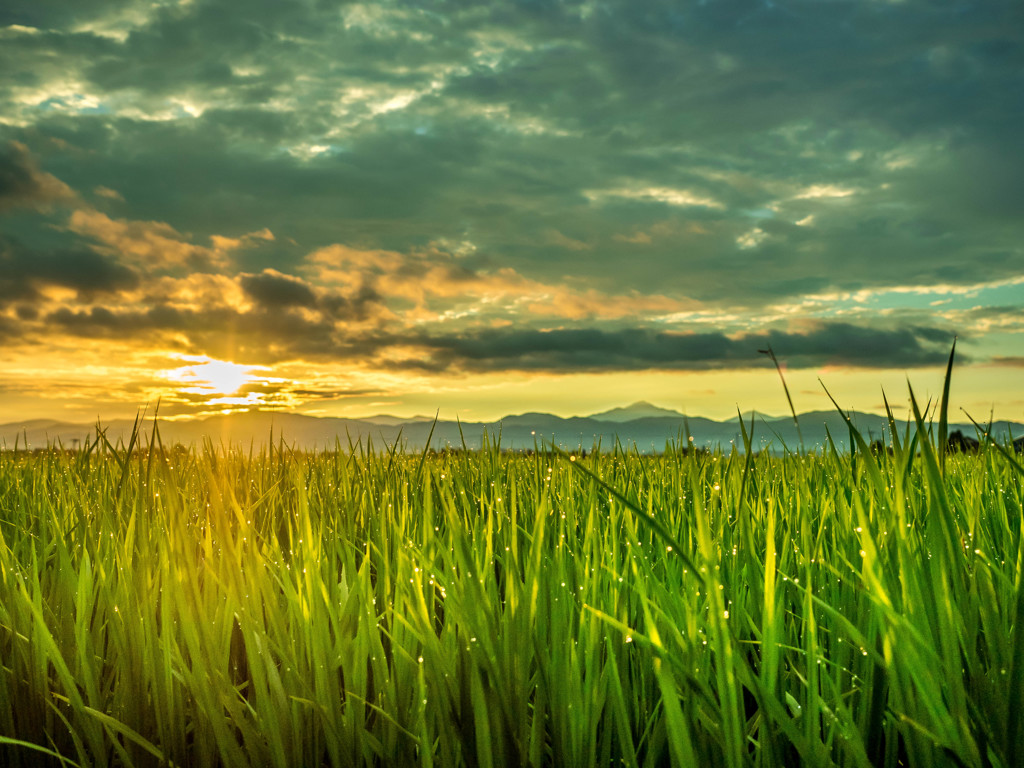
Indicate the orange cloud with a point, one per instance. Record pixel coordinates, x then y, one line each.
196 291
434 280
156 244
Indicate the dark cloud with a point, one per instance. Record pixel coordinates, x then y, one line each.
642 349
218 331
21 181
282 335
10 331
58 13
360 305
23 270
331 393
273 289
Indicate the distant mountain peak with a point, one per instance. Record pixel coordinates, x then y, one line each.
391 421
638 410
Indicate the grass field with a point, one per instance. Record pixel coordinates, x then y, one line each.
202 608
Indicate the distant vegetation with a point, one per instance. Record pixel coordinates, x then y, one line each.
481 608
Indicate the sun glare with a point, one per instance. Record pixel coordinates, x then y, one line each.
216 377
224 378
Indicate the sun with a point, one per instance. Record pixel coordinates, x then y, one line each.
209 376
222 377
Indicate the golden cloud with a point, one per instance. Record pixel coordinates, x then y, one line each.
433 280
155 245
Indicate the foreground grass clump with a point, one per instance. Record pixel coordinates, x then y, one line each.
202 608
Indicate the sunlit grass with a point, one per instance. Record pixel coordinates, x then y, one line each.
487 609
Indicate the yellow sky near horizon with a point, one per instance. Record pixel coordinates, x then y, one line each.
188 386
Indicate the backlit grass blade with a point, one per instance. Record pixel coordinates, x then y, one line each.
1014 748
785 388
988 438
944 410
656 525
865 450
426 447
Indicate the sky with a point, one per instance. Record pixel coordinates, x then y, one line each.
478 209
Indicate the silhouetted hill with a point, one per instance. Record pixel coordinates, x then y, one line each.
522 431
638 410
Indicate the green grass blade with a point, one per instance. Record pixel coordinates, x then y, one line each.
944 410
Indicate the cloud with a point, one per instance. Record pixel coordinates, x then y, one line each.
437 281
272 289
824 191
156 245
220 331
110 194
55 13
23 184
520 116
24 271
751 239
11 332
644 349
676 197
150 244
1013 361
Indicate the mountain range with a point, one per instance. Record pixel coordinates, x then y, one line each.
647 427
